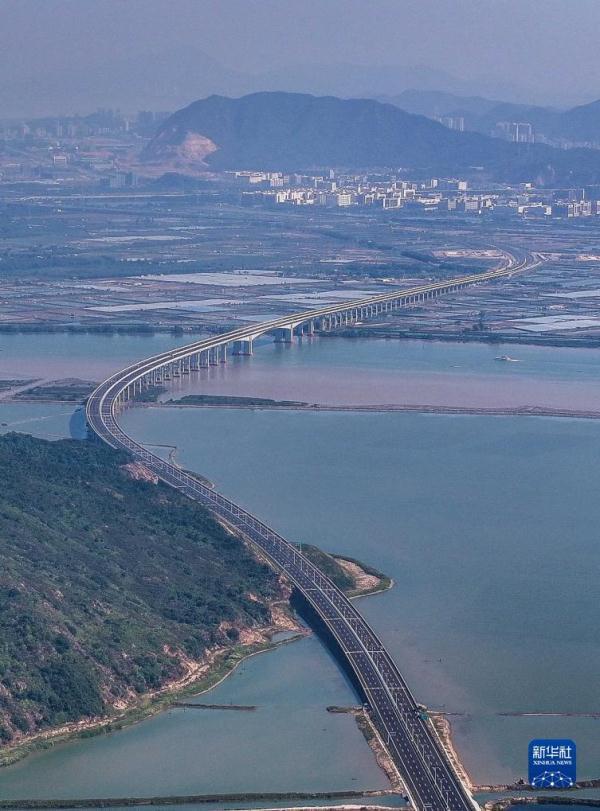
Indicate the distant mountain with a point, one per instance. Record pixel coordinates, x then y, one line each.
433 103
349 80
577 125
167 78
582 123
290 131
299 131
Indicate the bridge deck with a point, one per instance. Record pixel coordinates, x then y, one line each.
429 777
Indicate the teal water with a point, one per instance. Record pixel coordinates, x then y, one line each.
289 743
44 420
488 526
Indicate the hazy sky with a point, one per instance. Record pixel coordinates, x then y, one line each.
544 49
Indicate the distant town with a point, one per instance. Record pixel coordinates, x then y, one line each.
387 191
103 149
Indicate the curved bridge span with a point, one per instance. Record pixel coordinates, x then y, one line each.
431 781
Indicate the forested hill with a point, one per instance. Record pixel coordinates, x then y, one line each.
108 585
297 131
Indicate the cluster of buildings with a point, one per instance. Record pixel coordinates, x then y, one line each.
562 209
97 147
453 122
276 188
519 132
441 195
102 122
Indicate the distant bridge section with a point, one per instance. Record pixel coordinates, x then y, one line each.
431 781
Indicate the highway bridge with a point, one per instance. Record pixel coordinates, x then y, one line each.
430 779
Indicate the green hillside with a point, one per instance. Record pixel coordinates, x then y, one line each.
107 585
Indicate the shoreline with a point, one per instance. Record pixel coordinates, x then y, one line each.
483 411
443 731
402 408
508 802
221 663
377 331
197 799
224 664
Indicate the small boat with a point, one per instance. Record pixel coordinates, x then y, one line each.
507 359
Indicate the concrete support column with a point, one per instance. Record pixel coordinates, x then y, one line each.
284 335
223 357
243 347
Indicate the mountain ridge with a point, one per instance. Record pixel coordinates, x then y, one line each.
294 131
576 124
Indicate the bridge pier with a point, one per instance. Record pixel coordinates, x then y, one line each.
244 347
284 335
429 777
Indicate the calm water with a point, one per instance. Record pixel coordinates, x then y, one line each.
290 743
335 370
365 372
88 356
488 526
45 420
